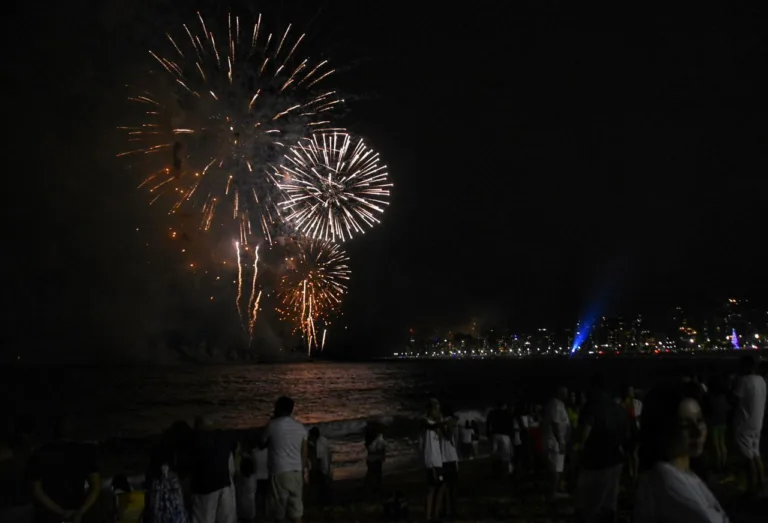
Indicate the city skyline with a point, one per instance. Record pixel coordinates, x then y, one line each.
736 324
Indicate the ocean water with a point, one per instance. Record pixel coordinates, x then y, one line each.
340 398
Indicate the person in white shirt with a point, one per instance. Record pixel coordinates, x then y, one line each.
555 431
465 433
432 456
673 432
245 489
499 428
750 393
450 460
286 440
376 449
320 460
261 461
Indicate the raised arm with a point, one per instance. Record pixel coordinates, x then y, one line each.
51 506
94 490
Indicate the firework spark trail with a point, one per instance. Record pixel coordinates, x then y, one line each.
255 300
239 284
312 290
224 107
248 316
332 189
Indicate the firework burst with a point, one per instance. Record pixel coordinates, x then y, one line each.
223 107
333 189
313 286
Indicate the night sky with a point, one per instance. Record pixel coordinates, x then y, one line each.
543 158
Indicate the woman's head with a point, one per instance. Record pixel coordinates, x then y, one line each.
672 424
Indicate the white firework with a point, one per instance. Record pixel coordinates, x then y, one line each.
332 188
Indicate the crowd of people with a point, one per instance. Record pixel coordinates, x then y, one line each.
196 474
595 442
663 448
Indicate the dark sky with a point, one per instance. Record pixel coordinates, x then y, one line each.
541 155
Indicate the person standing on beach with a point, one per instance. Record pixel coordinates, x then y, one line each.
556 429
58 471
213 492
320 459
261 462
634 409
500 427
716 412
750 394
286 440
245 488
603 428
432 456
169 465
450 460
466 431
376 449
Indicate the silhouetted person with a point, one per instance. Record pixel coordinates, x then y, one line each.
604 429
500 429
320 459
556 435
750 393
59 470
376 449
213 493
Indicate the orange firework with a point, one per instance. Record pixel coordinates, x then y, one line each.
313 286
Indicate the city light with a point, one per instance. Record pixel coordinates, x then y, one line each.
600 336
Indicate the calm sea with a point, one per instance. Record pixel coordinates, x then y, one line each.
339 397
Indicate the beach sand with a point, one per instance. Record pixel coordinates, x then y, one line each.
484 499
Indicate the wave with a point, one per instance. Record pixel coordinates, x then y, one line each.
393 425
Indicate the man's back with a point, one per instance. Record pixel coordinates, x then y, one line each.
751 392
609 428
285 437
555 413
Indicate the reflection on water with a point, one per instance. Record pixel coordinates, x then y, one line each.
135 401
